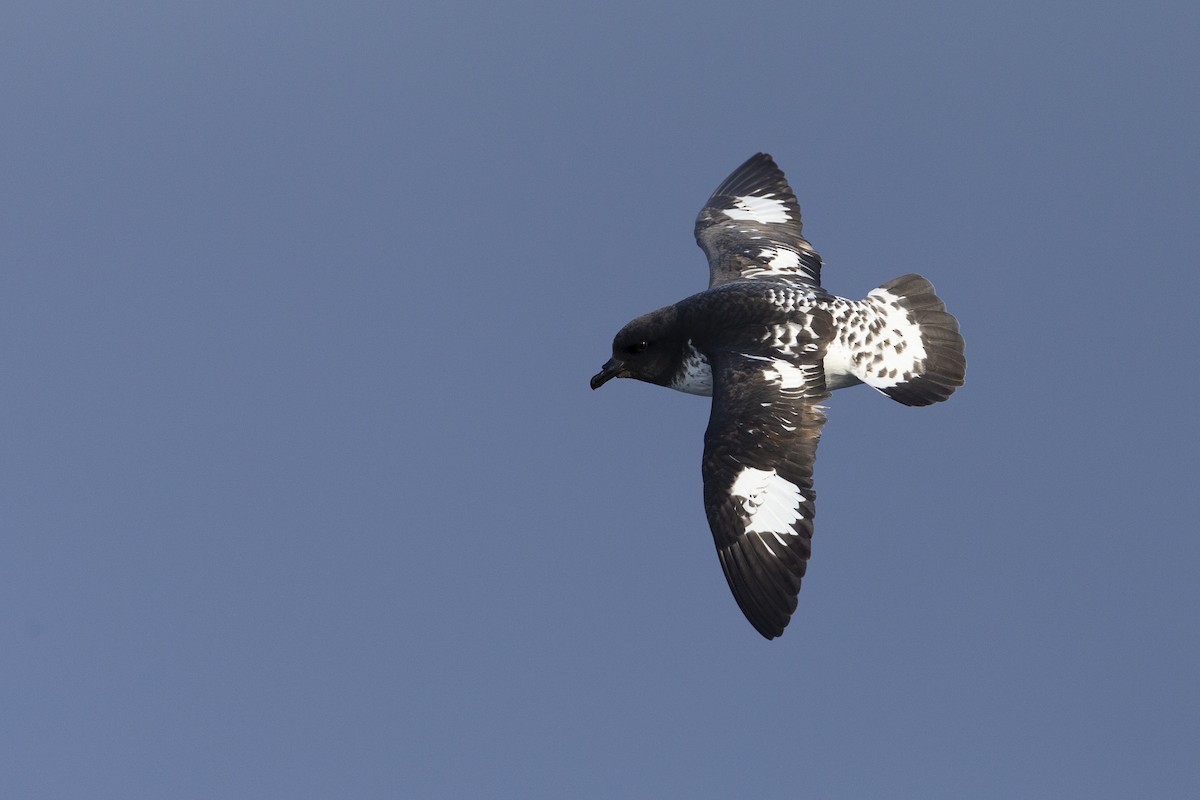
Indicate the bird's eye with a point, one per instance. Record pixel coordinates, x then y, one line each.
637 348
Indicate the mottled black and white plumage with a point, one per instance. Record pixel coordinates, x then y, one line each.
769 344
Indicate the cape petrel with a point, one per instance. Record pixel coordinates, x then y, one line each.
768 344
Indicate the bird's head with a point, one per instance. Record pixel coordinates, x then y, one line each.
647 349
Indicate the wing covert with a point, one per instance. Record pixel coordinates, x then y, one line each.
759 451
751 228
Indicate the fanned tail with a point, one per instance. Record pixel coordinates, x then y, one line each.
920 360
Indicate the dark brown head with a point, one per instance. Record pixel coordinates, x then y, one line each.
650 349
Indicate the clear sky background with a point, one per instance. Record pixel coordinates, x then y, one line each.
304 493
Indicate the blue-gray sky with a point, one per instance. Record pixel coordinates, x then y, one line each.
304 493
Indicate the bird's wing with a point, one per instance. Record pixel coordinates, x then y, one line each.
750 228
759 451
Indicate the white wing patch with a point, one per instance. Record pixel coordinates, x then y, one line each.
781 262
763 210
787 374
771 502
783 372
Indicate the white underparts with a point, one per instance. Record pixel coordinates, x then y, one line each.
695 377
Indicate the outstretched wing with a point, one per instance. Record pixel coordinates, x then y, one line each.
750 228
758 461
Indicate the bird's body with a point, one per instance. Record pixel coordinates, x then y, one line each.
769 344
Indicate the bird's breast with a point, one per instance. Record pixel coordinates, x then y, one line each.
695 373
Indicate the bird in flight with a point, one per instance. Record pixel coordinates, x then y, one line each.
768 344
